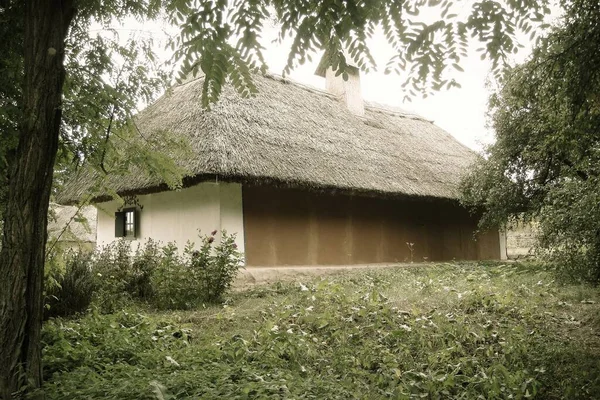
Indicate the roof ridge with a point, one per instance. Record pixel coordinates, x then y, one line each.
371 105
294 134
276 77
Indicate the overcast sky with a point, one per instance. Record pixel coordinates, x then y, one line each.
460 111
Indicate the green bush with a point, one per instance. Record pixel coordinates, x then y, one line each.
144 263
218 269
113 273
69 285
199 276
173 283
116 275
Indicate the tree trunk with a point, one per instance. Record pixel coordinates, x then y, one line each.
30 178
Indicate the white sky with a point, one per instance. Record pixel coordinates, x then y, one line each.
460 111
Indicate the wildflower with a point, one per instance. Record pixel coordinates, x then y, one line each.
213 233
211 239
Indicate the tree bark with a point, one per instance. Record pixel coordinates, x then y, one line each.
30 178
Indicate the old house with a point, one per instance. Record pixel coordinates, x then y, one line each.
303 177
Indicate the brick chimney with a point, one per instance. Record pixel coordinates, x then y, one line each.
347 90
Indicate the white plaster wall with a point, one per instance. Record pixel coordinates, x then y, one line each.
503 252
349 90
176 216
231 212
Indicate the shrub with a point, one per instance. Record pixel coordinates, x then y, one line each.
172 283
219 269
143 265
70 286
115 275
123 275
199 276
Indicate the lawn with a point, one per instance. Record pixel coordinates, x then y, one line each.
453 330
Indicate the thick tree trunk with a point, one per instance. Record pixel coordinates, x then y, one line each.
25 219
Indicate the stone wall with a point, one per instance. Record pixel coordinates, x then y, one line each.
520 241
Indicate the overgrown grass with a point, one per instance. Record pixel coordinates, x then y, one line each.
442 331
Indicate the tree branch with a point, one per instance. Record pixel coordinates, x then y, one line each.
110 122
583 175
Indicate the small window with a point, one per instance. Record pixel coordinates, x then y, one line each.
126 223
130 223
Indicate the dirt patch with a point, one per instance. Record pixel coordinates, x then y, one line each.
251 276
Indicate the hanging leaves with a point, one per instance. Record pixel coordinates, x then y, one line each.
223 38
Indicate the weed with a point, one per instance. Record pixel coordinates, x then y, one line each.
69 287
116 276
496 331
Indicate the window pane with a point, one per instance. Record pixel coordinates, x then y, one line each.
130 223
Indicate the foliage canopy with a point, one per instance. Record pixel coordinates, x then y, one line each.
545 163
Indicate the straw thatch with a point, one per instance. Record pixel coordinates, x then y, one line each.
71 224
294 135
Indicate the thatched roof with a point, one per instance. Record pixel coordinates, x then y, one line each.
71 224
294 135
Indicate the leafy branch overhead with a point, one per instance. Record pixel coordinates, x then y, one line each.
544 163
222 39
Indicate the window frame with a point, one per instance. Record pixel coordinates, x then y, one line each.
125 229
130 233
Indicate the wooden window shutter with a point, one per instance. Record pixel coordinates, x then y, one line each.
136 221
119 224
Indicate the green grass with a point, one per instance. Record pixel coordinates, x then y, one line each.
455 330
